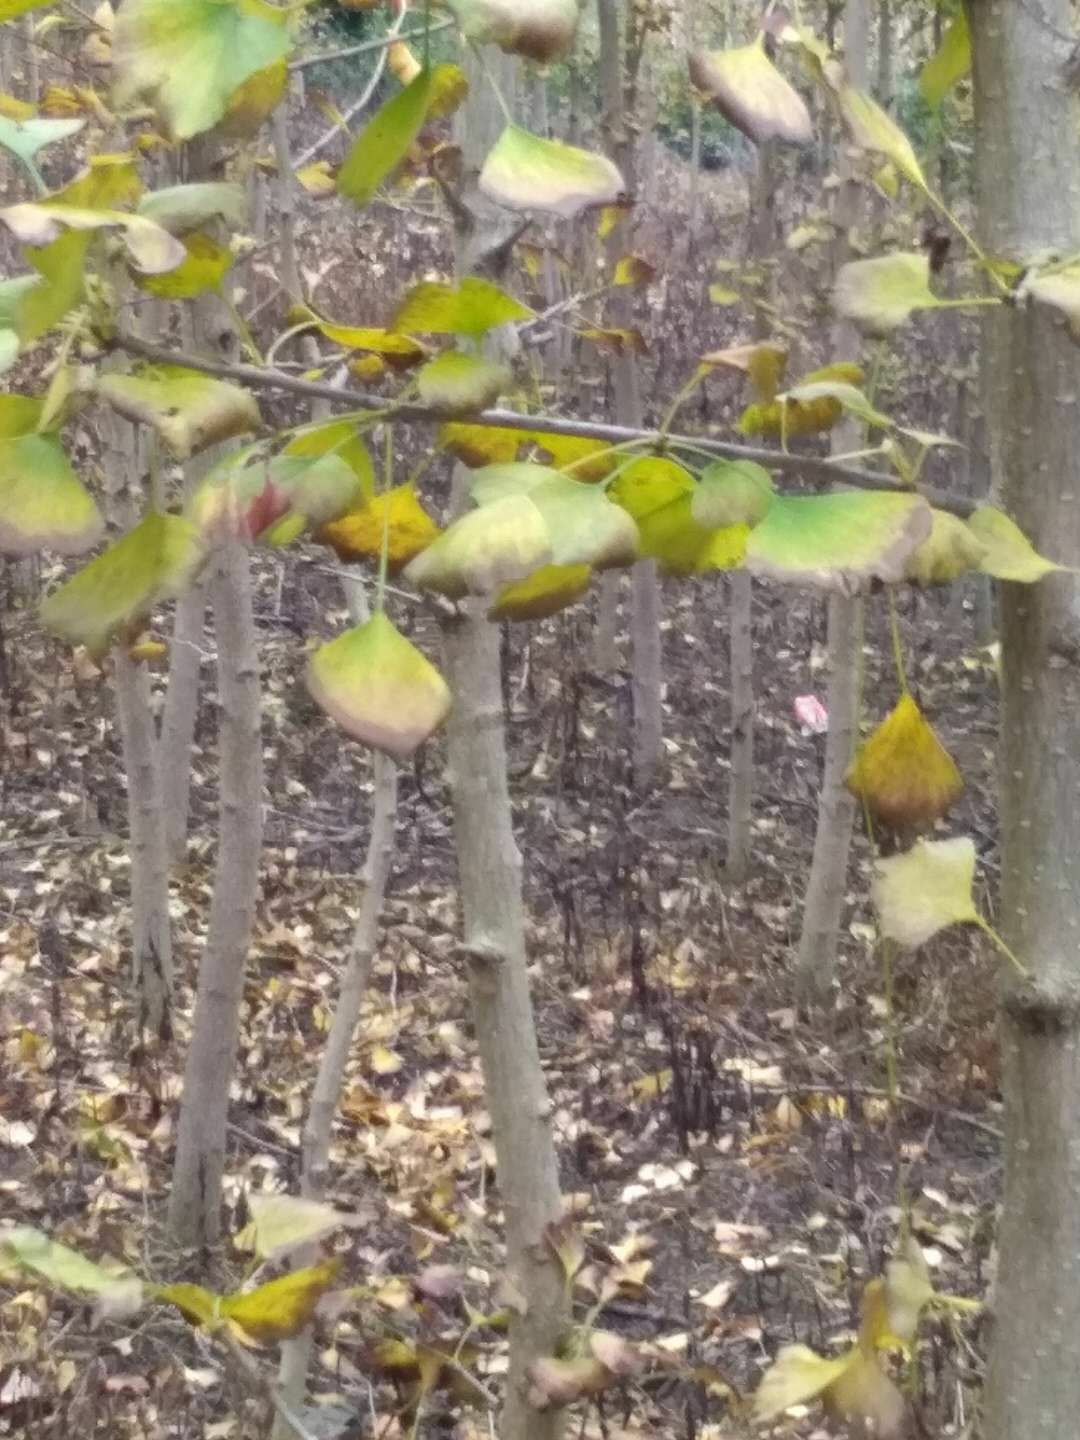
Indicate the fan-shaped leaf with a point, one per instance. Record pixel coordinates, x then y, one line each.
188 410
379 687
470 308
43 505
840 541
545 592
458 384
925 889
950 550
879 295
526 172
485 549
1009 554
748 89
358 534
281 1308
538 29
903 772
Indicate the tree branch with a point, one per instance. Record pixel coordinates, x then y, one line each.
810 467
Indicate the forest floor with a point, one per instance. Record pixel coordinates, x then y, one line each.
736 1167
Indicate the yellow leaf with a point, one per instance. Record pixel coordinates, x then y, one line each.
903 772
281 1308
925 889
1009 555
359 534
949 551
545 592
194 1303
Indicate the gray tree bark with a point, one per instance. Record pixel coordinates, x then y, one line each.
195 1197
1028 185
826 887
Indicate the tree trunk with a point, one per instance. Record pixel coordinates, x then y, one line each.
646 666
489 871
1028 183
489 866
195 1198
826 888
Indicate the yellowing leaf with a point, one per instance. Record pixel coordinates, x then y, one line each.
796 1376
254 100
840 541
538 29
121 1291
155 561
748 89
872 129
949 551
358 534
470 308
925 889
455 383
584 527
527 172
481 444
879 295
633 270
908 1290
379 687
190 57
484 549
252 496
584 459
280 1223
195 1303
317 179
204 267
43 505
188 410
1009 555
281 1308
545 592
732 492
903 772
150 246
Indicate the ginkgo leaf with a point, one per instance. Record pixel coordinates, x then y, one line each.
764 361
183 208
732 492
384 142
195 1303
459 384
43 504
252 102
118 1288
949 551
24 138
484 549
340 438
188 410
517 477
537 29
402 351
748 89
584 459
584 527
150 246
849 397
903 772
926 889
251 496
1009 554
204 267
545 592
476 445
865 1396
358 534
950 62
280 1223
840 541
470 308
527 172
190 57
36 303
157 560
379 687
872 128
281 1308
796 1376
880 294
1059 287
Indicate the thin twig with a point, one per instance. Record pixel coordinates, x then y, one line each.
366 46
361 104
814 467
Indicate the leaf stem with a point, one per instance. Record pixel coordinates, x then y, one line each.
988 930
897 646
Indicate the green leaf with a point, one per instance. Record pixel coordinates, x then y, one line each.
748 89
840 541
384 142
43 505
1008 553
872 129
471 308
926 889
879 295
526 172
249 496
183 208
121 1291
19 415
458 384
505 540
10 8
379 688
340 438
9 348
190 57
732 492
540 30
154 562
188 410
24 138
584 527
950 62
57 290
